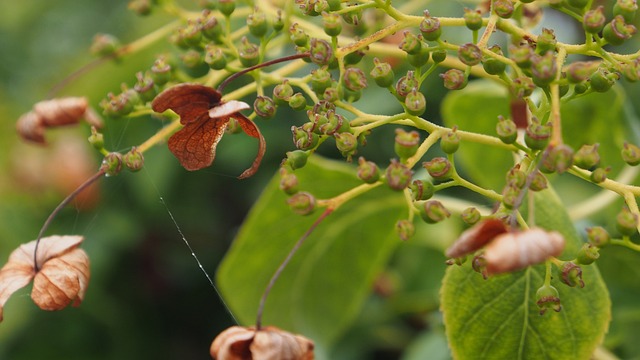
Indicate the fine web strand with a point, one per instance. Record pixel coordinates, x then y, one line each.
193 253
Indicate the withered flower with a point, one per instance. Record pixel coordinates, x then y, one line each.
514 251
205 117
54 113
62 277
476 237
268 343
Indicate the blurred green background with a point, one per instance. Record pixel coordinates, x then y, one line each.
147 297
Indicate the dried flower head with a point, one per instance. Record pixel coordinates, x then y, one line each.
269 343
476 237
514 251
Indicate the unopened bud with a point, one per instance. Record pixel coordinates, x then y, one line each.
548 299
133 160
421 190
588 254
571 274
471 216
587 156
433 211
598 236
264 107
627 222
398 175
405 229
368 171
439 168
302 203
112 164
454 79
406 143
430 27
630 154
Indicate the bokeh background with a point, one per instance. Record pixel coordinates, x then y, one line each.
147 297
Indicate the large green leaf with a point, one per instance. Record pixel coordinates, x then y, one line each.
498 318
321 291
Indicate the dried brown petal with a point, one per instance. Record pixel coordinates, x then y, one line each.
476 237
205 118
269 343
64 272
516 250
53 113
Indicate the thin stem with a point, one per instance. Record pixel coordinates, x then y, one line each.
261 65
284 264
58 208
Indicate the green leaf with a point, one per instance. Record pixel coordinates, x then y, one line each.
476 108
498 318
323 288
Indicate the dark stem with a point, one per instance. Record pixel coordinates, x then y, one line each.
525 188
62 204
284 263
264 64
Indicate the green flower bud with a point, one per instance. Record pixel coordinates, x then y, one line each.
145 87
191 34
334 123
571 274
227 7
406 143
351 96
580 71
450 142
398 175
599 175
544 68
304 139
248 53
548 299
320 52
288 182
492 65
521 55
561 157
439 168
298 36
214 57
503 8
119 105
405 84
546 41
112 164
320 79
282 93
617 31
133 160
298 102
507 130
161 71
631 70
588 254
140 7
411 44
322 107
278 23
454 79
602 80
510 196
598 236
382 73
405 229
593 20
471 216
587 156
257 23
104 45
630 154
264 107
539 182
96 139
581 88
354 79
627 222
516 177
302 203
470 54
472 19
420 59
210 26
438 56
334 5
296 159
626 9
522 87
415 102
421 190
430 27
479 265
347 143
193 63
333 93
368 171
332 23
537 135
433 211
233 127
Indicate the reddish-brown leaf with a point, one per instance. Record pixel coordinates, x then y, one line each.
205 117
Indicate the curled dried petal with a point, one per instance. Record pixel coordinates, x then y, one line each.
476 237
516 250
64 272
269 343
30 127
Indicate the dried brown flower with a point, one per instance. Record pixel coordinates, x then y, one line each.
476 237
514 251
269 343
